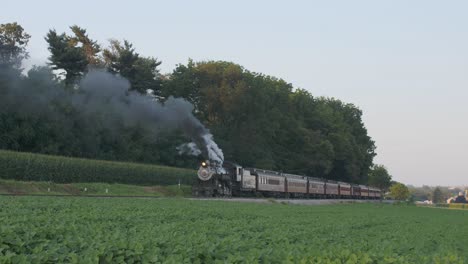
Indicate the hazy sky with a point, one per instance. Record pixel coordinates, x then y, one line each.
404 63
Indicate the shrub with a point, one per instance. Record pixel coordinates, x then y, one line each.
458 206
445 205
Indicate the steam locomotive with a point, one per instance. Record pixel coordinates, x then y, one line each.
233 180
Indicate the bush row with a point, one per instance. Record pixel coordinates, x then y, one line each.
458 206
38 167
453 205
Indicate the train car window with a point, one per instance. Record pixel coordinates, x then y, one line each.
273 182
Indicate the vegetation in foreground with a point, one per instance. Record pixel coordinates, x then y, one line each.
95 230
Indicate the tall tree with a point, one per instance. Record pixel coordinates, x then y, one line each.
141 72
379 177
72 53
13 42
437 196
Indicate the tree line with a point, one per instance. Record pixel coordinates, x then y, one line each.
258 120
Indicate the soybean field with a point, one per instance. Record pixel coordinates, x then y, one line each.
133 230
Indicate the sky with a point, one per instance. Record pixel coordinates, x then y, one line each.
404 63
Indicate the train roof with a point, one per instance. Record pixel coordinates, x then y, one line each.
340 182
287 175
295 176
274 173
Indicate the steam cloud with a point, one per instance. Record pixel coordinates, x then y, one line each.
107 94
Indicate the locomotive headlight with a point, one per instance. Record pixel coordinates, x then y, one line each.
203 164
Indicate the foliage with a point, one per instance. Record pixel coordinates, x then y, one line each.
458 206
425 192
67 55
437 196
36 167
379 177
13 42
140 71
399 191
89 47
262 121
74 230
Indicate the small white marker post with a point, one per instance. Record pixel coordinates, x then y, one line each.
48 189
179 183
85 189
107 190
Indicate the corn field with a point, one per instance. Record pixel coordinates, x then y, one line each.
38 167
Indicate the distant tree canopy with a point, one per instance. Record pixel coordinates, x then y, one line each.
257 120
399 191
263 121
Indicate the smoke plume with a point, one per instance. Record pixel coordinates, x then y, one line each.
105 94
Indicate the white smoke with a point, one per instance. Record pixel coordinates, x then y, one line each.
189 149
214 152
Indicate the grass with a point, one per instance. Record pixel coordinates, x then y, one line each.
96 189
132 230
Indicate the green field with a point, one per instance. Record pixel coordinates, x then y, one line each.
132 230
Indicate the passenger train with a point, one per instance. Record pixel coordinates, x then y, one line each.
233 180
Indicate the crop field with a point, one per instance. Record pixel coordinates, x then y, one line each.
132 230
57 169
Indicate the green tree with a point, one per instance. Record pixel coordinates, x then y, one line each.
89 47
379 177
141 72
399 191
72 53
13 42
262 121
66 57
437 196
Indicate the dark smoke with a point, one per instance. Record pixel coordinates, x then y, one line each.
102 91
105 94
